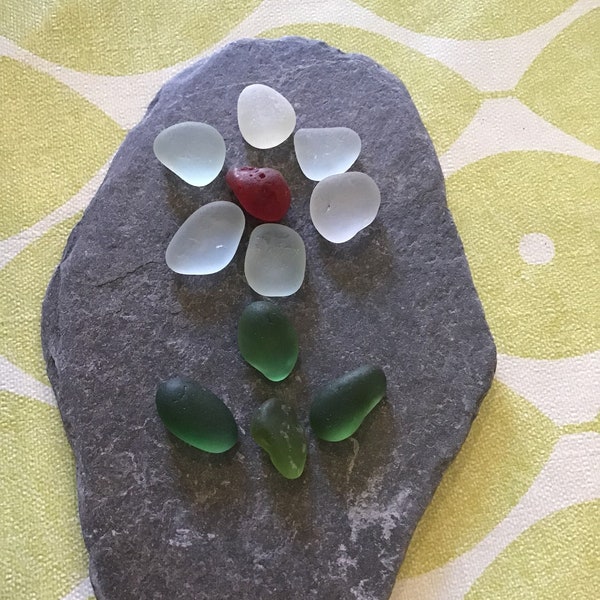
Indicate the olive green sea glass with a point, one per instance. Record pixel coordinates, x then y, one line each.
340 407
267 340
195 415
276 429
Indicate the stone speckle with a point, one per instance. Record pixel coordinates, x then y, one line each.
162 517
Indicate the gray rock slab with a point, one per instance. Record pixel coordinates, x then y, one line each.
162 520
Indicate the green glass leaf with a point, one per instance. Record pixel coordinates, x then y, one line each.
53 142
267 340
276 429
544 310
556 558
119 37
507 446
468 19
41 545
195 415
446 107
339 408
563 83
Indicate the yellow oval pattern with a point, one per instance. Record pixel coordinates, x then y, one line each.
468 19
563 83
53 140
41 547
120 37
506 448
557 558
534 310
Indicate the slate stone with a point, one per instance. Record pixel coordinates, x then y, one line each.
162 520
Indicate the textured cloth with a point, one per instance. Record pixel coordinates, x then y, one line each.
510 93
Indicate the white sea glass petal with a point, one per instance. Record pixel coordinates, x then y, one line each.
265 117
193 151
275 260
207 240
326 151
341 205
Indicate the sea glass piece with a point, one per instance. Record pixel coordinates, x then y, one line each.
275 260
342 205
276 429
326 151
262 192
265 117
340 407
267 340
207 240
195 415
193 151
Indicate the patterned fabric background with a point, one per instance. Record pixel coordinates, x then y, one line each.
510 92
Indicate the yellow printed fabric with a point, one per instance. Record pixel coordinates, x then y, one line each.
510 93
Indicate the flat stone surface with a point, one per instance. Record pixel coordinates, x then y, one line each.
161 519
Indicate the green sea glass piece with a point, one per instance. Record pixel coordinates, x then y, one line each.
267 340
340 407
195 415
276 429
